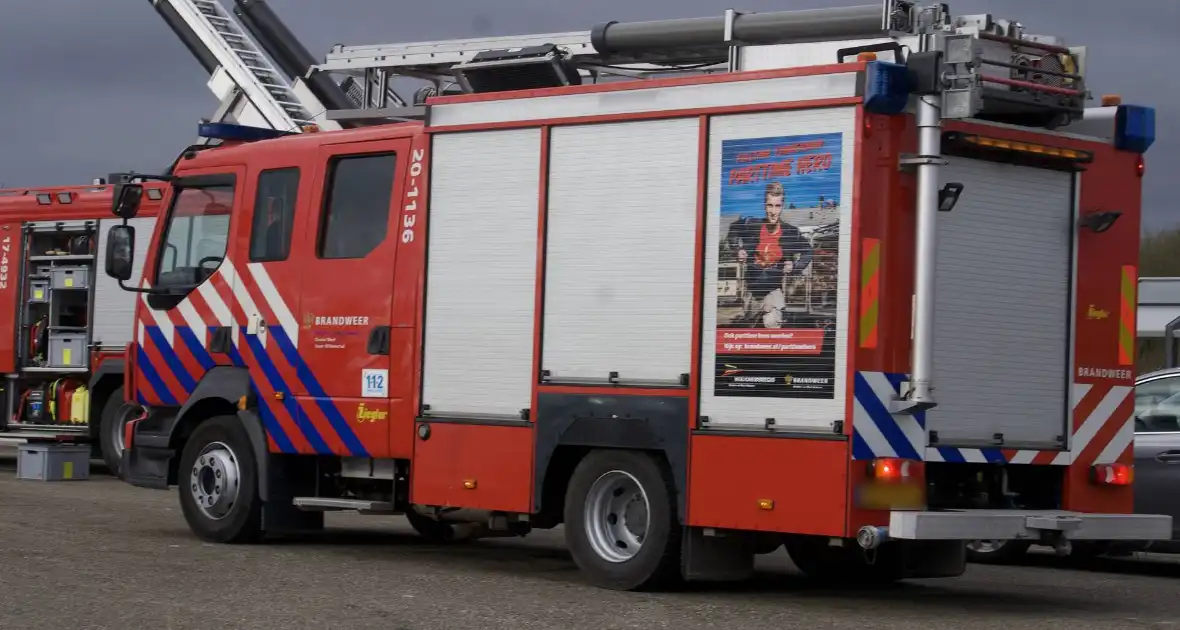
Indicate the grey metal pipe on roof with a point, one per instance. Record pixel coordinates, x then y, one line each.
779 27
288 52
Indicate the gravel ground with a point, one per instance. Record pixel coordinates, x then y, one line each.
101 554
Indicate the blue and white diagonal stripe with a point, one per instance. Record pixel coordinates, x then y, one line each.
875 431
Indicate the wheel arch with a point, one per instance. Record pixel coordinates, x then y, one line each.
580 423
222 391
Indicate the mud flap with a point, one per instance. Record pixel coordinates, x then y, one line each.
934 558
289 476
721 557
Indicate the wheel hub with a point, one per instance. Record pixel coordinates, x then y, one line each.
617 516
214 480
985 546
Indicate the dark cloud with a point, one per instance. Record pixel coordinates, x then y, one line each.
90 86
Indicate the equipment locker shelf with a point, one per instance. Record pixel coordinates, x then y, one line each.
54 326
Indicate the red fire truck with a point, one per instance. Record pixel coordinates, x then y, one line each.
507 316
63 327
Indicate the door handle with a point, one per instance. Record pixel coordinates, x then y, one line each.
378 340
220 343
1169 457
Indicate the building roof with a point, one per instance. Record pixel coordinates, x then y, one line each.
1159 304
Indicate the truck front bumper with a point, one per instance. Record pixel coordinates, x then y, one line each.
1032 525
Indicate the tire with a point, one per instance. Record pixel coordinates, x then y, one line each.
996 551
440 532
767 543
631 484
115 414
819 561
219 452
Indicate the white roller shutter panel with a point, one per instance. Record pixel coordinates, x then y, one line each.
1002 307
114 308
620 236
481 272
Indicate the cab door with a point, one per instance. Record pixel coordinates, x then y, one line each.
266 292
347 295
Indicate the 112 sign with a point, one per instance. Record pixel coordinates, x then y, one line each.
375 383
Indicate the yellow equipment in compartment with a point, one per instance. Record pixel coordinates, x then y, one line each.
80 406
78 411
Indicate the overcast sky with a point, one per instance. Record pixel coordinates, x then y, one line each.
93 86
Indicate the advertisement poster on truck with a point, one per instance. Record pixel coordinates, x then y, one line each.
778 264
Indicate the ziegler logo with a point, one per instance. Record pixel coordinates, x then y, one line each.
364 414
730 370
1096 313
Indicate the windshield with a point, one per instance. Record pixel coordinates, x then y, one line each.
196 236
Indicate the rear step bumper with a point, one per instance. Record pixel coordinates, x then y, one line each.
1026 525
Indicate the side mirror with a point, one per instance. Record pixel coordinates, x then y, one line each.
120 252
125 204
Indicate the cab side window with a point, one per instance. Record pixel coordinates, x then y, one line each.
355 218
274 215
1157 406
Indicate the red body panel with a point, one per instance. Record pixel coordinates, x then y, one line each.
804 480
11 253
476 466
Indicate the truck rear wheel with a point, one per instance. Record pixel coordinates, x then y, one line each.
996 551
218 482
620 521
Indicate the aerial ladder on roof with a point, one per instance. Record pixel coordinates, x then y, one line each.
260 72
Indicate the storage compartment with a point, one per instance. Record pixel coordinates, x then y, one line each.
768 484
67 349
38 291
1003 301
473 466
53 462
73 277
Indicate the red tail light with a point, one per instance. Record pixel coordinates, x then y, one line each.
890 469
1113 474
1140 167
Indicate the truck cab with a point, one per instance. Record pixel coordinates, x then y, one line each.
275 274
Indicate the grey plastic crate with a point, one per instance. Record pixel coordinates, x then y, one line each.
38 291
53 462
73 277
67 349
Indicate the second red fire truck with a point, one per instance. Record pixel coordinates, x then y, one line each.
823 300
63 326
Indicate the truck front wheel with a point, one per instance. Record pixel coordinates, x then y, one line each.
620 521
218 482
114 416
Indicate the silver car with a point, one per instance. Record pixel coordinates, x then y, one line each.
1157 471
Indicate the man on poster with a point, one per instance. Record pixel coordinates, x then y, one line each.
770 250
